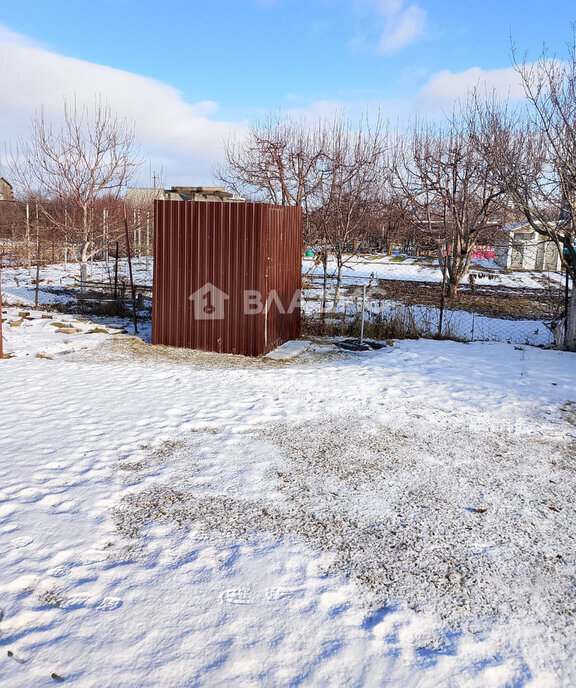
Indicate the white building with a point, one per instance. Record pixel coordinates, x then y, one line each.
525 249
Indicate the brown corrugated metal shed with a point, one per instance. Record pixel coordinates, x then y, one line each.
227 276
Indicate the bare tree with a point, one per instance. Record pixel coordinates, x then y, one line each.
392 224
331 168
531 150
88 156
450 188
350 193
275 161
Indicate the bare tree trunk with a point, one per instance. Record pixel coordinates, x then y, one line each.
84 255
324 282
570 337
453 288
340 264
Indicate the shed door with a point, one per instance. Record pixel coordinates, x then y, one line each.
551 253
517 257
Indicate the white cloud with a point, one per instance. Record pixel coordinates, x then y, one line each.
402 28
389 110
441 92
183 136
447 87
395 25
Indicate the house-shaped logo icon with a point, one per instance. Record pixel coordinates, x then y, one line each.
209 302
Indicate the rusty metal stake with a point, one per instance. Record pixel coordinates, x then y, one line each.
129 256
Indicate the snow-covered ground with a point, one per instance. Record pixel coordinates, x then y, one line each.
169 518
457 324
17 281
36 333
410 269
58 281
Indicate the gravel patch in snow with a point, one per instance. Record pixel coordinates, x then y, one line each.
126 349
464 526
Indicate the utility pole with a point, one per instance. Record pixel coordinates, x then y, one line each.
442 293
66 237
116 274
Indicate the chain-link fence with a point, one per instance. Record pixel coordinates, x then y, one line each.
394 296
405 297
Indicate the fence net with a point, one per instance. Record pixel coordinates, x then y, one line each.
396 296
402 296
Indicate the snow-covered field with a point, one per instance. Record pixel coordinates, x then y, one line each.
458 323
58 281
170 518
410 269
357 270
175 518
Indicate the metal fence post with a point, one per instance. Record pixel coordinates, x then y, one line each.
363 312
129 258
441 316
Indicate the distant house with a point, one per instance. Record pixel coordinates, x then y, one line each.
522 248
142 197
139 197
5 190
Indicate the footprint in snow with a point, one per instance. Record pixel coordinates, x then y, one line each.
237 596
29 495
245 595
108 604
65 507
75 602
275 594
199 535
21 542
92 556
16 657
176 411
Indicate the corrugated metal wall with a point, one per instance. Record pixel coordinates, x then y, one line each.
222 254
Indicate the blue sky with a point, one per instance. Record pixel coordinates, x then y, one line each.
218 65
